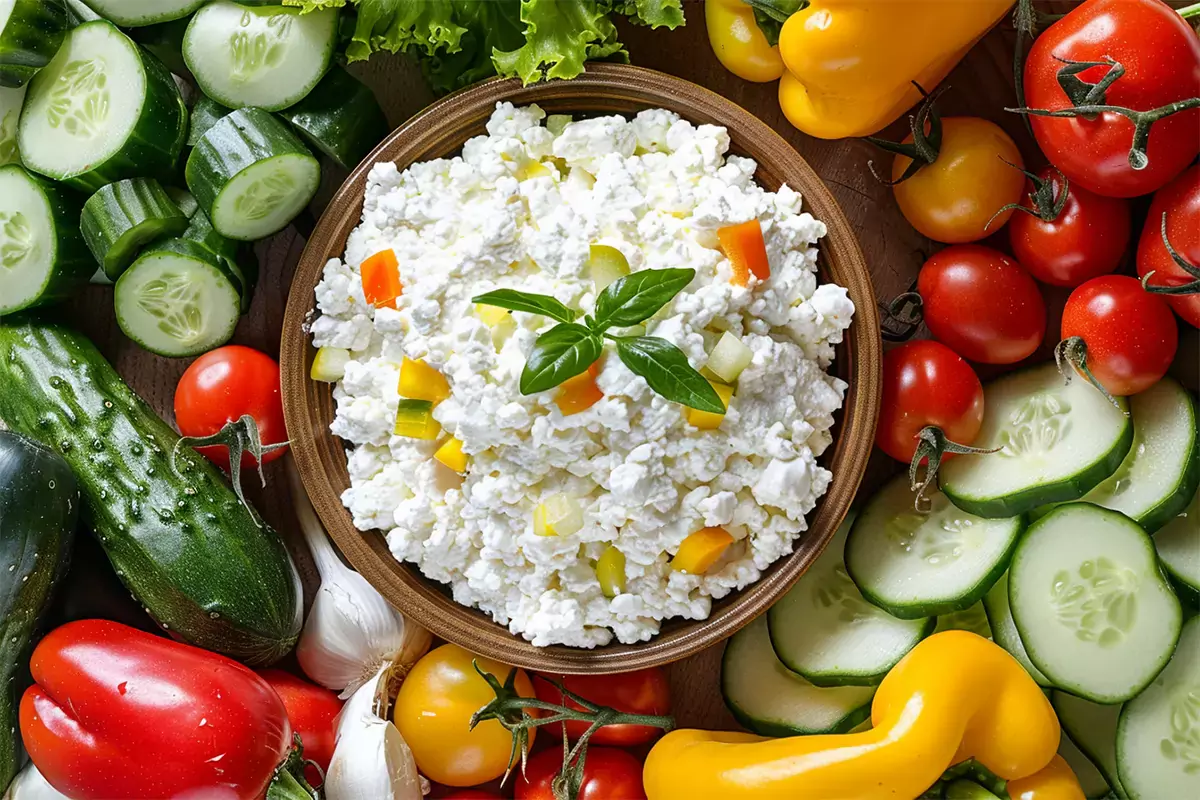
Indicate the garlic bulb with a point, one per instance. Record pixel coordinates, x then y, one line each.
32 785
351 631
371 760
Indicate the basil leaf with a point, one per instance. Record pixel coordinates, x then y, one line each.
562 352
637 297
666 369
514 300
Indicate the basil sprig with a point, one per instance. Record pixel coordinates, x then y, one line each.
569 348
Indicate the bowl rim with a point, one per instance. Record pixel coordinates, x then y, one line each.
422 600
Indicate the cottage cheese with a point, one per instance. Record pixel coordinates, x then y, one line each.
657 188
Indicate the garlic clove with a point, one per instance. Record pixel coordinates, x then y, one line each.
32 785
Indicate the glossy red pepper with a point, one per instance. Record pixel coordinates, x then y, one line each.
118 713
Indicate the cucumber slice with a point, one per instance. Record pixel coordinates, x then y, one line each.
251 175
31 31
1178 546
1158 737
1057 443
1093 727
177 300
341 118
1090 603
973 619
920 565
43 258
79 12
11 101
963 789
135 13
241 264
1004 630
103 110
1091 780
771 700
824 630
208 112
269 57
122 217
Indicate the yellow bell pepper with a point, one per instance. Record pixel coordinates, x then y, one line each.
420 381
1055 781
700 550
738 43
954 696
851 63
451 455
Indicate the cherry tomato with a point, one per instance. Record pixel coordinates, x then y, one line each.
1087 238
644 691
608 774
1160 55
223 385
433 712
981 304
313 711
953 199
1130 334
1180 201
927 383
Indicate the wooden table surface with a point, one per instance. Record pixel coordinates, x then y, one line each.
981 86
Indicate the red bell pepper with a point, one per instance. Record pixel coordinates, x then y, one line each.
313 711
118 713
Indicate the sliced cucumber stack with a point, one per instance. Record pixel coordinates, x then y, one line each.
31 31
208 112
11 101
771 700
1093 727
1178 546
1057 442
917 565
103 110
825 631
123 216
43 258
1004 630
269 57
178 299
1091 780
135 13
1091 604
1158 737
251 175
341 118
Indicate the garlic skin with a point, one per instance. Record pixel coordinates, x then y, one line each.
351 631
32 785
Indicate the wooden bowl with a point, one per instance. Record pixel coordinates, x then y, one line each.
441 130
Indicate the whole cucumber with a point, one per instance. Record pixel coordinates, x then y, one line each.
205 567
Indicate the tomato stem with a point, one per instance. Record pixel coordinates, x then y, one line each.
1080 91
906 313
1187 12
924 148
1191 269
240 437
932 447
288 782
1071 356
1046 205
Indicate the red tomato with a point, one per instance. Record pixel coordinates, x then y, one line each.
608 774
1180 201
1130 334
1086 239
471 794
644 691
312 710
1161 57
981 304
222 386
927 383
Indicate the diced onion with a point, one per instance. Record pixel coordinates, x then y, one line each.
329 365
607 265
557 515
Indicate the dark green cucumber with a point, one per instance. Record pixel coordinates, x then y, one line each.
165 41
183 198
341 118
104 109
251 175
122 217
204 566
237 256
208 112
79 12
31 32
39 502
11 101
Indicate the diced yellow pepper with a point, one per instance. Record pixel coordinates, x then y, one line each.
499 320
706 420
451 454
700 550
579 393
610 571
329 364
535 169
420 381
557 515
414 419
607 265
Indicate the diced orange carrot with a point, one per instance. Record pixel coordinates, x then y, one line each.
579 393
747 252
381 279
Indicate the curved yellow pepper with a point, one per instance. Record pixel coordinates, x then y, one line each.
1055 781
851 63
954 696
738 43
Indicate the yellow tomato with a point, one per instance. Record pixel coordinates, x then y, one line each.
952 199
739 44
433 712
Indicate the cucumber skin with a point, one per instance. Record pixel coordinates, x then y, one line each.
165 41
134 22
30 39
74 265
238 258
179 539
39 503
1173 506
207 112
341 118
109 205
